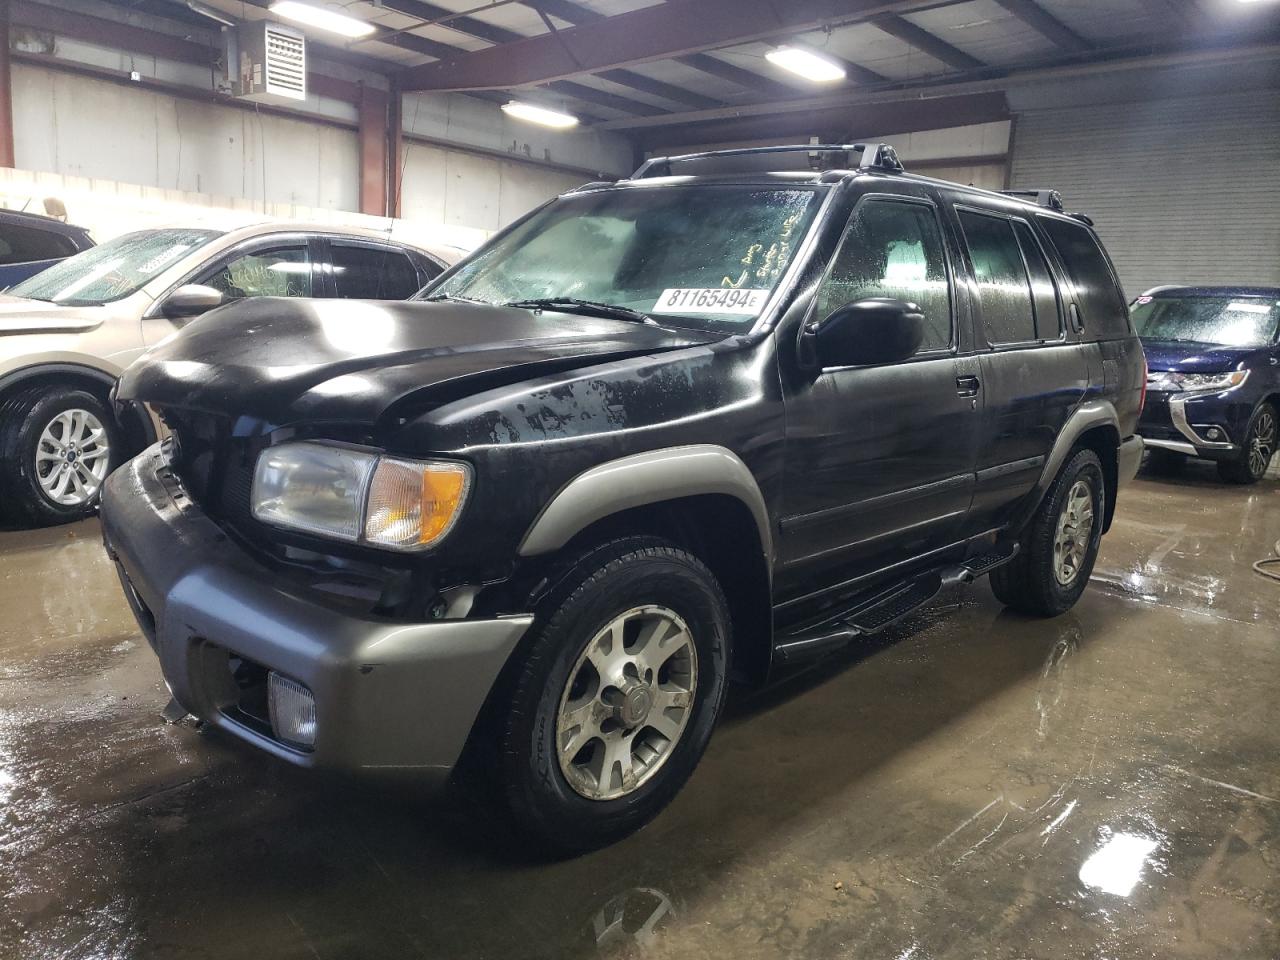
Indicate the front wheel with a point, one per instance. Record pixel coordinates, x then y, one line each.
1257 450
57 446
616 697
1061 544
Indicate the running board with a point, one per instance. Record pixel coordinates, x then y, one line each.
884 610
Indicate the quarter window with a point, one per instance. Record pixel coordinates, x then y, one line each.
282 272
893 248
1003 288
1100 298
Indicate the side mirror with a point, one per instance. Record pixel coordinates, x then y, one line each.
191 300
873 330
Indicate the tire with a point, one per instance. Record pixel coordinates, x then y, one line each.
552 808
47 434
1257 450
1030 583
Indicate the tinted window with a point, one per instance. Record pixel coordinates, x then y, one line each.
371 273
1003 289
1097 293
893 249
281 272
1044 292
19 244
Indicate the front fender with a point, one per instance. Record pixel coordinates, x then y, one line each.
644 478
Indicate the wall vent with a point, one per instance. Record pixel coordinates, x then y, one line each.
270 63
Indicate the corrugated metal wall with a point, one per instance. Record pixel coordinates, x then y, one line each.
1180 190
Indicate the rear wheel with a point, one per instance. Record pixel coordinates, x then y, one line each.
1257 450
615 699
57 446
1061 544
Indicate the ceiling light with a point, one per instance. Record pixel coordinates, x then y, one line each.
806 63
548 118
321 18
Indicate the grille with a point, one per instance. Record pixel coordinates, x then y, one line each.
1155 422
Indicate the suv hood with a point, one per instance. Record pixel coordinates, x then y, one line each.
19 315
284 360
1196 357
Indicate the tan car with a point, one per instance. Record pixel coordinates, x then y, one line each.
67 333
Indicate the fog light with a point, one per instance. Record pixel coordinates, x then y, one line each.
1213 433
293 711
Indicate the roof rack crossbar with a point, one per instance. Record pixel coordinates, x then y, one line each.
874 156
1045 198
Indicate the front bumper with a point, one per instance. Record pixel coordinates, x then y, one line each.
1180 423
388 695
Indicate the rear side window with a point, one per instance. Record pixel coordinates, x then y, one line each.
1003 288
1043 290
19 244
893 248
1098 294
372 273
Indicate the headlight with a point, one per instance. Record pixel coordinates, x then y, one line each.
358 496
1200 381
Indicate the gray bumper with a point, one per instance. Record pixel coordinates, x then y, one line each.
1129 459
388 694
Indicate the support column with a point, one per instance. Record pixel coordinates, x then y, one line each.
372 137
6 90
395 148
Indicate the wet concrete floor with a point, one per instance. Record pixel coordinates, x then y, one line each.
1106 784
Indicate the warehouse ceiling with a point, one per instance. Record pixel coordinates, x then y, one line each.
656 70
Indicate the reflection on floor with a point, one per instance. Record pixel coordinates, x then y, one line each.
976 784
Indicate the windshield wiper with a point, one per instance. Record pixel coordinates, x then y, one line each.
589 307
449 296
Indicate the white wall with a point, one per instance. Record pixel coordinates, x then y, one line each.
80 127
77 126
461 189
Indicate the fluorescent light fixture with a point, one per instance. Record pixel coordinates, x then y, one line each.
806 63
1116 867
540 115
322 18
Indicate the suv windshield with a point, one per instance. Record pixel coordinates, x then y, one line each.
706 255
1230 321
113 270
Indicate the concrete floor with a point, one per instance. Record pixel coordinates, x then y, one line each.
1106 784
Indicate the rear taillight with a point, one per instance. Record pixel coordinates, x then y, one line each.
1146 373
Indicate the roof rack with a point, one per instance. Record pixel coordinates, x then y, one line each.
1045 198
874 156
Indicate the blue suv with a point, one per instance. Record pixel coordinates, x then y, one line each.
1213 381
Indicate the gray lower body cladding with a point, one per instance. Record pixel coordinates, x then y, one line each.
388 695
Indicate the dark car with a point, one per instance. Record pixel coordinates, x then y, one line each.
30 243
658 430
1213 390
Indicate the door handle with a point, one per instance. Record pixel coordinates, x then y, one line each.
968 386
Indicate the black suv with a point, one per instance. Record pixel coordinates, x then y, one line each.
705 419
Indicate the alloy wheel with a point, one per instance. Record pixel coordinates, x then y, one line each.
72 457
626 703
1262 443
1074 533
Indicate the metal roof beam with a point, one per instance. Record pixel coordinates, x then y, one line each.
658 32
1047 25
926 42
